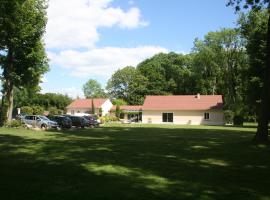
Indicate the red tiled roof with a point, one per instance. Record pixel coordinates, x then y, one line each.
183 102
128 107
86 103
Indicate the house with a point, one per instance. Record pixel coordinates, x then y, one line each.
129 112
84 106
183 109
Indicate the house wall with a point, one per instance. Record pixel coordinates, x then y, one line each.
185 117
106 107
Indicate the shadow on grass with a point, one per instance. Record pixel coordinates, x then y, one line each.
134 163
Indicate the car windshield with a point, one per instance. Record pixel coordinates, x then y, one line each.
44 118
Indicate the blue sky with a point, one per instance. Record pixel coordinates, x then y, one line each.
93 38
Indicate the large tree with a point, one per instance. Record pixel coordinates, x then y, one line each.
264 114
22 55
93 89
219 65
128 84
167 74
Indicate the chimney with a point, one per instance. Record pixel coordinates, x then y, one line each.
198 96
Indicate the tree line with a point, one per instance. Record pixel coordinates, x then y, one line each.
229 62
232 62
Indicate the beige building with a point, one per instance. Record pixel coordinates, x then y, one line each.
183 109
82 107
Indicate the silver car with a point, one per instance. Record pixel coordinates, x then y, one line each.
39 121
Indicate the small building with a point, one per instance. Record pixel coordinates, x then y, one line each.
183 109
84 106
129 112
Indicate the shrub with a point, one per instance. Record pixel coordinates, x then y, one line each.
54 111
14 124
228 116
27 110
238 120
102 120
38 110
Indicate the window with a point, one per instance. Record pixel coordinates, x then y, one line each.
206 116
167 117
72 112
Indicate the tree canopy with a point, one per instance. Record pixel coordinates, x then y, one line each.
93 89
22 55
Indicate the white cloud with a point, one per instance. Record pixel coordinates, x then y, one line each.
102 61
74 23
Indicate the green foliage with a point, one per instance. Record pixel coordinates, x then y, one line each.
117 111
27 110
93 89
38 110
119 102
238 120
253 27
168 74
228 116
128 84
219 65
25 97
3 115
100 112
14 124
107 119
22 54
54 111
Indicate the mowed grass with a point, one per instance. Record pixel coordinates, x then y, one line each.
122 162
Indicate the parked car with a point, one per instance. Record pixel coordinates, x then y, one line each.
39 121
63 121
78 121
92 122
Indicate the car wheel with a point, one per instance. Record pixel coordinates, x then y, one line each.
43 126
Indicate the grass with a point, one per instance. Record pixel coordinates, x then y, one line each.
134 162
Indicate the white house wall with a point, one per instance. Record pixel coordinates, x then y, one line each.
106 107
184 117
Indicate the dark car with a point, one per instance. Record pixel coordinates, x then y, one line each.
92 121
63 121
78 121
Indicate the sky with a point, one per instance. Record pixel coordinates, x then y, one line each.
91 39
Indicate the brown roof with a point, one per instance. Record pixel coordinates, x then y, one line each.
86 103
128 107
183 102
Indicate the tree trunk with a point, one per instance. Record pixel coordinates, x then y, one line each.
262 130
8 84
9 99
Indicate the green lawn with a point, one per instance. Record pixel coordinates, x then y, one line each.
122 162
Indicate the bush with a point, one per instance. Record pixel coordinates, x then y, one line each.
26 110
55 111
238 120
228 116
14 124
38 110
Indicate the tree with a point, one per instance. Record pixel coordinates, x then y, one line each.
167 74
93 89
93 111
127 84
264 114
22 55
219 65
253 28
119 102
